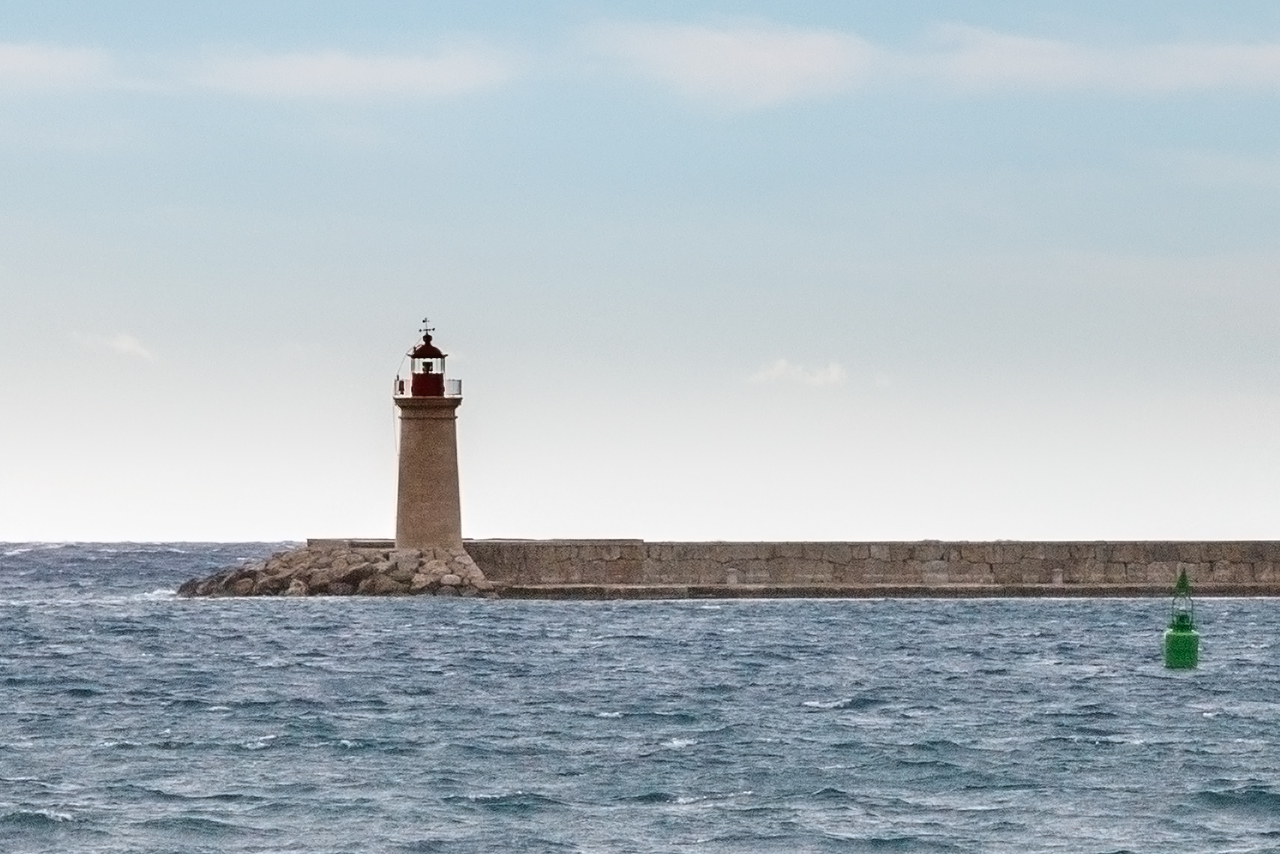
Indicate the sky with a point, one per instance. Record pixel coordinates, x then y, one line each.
708 270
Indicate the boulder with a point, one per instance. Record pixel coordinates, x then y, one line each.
270 585
402 571
240 587
337 571
381 585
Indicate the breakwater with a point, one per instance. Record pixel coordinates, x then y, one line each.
641 569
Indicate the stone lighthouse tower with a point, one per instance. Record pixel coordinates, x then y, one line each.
428 509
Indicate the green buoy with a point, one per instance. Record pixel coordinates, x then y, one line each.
1181 640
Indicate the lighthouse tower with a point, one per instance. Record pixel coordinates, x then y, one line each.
428 509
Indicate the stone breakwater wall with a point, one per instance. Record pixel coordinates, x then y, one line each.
346 568
558 567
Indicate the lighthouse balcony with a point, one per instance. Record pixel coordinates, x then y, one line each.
427 385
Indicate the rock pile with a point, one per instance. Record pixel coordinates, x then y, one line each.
349 571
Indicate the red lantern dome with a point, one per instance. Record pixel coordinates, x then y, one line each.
426 371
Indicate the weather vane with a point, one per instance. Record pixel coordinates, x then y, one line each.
426 328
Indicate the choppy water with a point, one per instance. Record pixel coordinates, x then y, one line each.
135 722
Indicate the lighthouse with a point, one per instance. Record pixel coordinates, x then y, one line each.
428 508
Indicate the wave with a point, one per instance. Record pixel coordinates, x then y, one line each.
195 825
1246 799
844 703
509 802
31 819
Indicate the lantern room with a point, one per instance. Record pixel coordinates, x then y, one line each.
426 371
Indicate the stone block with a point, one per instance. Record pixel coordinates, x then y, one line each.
1006 573
853 572
878 551
1033 551
966 572
813 551
1006 553
1223 551
326 545
935 572
927 551
1057 551
859 551
1033 572
739 551
1086 572
1191 552
1128 552
837 553
878 572
976 552
1233 572
812 572
1254 551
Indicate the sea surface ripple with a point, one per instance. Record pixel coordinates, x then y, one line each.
133 721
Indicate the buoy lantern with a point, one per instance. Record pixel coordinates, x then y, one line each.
1181 640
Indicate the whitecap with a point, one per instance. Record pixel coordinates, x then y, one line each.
261 743
679 743
842 703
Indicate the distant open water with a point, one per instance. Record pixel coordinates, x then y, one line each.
132 721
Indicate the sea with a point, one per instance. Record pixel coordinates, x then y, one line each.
134 721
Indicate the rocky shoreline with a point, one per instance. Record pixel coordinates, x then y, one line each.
340 569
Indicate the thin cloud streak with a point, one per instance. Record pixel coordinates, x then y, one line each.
783 371
337 74
121 343
981 59
26 67
742 66
762 65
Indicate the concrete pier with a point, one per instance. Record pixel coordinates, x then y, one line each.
636 569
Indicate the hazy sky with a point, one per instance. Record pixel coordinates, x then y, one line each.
708 270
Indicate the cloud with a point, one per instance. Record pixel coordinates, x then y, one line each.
38 67
976 58
337 74
125 345
759 65
783 371
739 66
1217 169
